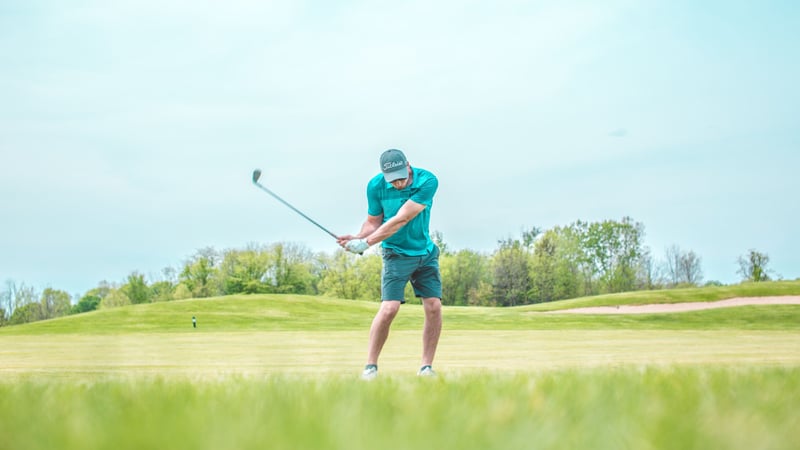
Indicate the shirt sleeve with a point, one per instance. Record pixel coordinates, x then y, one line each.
424 196
374 207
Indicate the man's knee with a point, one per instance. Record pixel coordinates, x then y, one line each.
432 305
389 309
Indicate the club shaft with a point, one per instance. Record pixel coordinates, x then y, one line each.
294 209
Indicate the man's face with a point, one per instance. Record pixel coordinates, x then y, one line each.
402 182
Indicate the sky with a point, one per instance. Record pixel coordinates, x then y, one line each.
129 129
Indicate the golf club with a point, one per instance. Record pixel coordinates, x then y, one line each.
257 175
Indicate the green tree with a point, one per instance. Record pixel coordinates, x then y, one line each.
510 265
529 236
182 292
55 303
482 295
29 312
753 266
615 248
87 303
349 276
136 289
628 256
6 303
18 295
244 271
13 298
553 273
462 275
609 254
576 235
199 273
161 291
291 269
101 291
339 277
115 299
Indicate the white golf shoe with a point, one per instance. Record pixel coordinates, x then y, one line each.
426 371
370 372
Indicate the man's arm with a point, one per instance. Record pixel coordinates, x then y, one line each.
370 225
408 211
372 232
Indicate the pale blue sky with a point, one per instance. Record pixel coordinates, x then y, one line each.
129 129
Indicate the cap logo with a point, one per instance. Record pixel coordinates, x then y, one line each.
391 165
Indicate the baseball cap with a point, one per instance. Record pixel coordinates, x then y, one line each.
393 165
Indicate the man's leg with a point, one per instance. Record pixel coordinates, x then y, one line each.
432 329
379 331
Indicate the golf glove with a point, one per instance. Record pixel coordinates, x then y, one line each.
357 246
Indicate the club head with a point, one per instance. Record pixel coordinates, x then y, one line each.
256 175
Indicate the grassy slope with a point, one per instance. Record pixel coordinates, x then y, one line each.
307 313
705 294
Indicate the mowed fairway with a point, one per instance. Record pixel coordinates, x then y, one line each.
282 372
201 356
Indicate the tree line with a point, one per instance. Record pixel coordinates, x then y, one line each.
576 260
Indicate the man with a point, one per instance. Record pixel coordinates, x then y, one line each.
398 215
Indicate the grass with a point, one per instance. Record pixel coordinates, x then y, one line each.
704 294
681 408
231 313
209 356
281 372
249 313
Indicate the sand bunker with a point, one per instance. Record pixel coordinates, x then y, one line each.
681 307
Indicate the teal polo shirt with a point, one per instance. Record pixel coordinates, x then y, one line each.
413 238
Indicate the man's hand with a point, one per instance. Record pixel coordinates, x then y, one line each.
344 239
357 246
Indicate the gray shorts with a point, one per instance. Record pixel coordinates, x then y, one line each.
421 271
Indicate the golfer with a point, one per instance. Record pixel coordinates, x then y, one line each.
399 201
